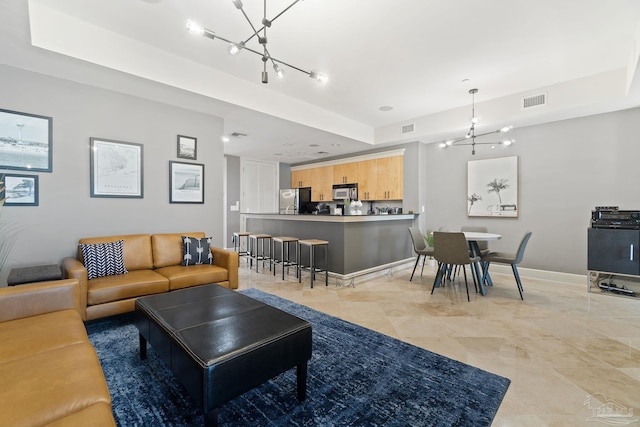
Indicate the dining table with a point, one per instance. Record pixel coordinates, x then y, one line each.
473 237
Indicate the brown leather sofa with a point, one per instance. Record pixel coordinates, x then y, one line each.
49 371
154 265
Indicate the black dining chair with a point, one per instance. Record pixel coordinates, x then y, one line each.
420 247
451 249
508 258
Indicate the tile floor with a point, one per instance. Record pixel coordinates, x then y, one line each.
567 352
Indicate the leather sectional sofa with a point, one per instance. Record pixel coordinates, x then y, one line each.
154 266
49 371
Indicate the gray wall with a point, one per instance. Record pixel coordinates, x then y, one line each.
566 168
66 212
233 195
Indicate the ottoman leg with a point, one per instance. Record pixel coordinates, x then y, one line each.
211 418
143 347
301 377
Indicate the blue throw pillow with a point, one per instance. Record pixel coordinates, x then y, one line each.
196 250
103 259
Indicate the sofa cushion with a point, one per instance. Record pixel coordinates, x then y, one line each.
193 275
33 335
42 388
196 250
135 284
136 249
96 415
167 248
103 259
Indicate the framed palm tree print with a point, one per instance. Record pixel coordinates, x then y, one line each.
492 187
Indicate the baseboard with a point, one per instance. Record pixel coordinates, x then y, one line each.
532 273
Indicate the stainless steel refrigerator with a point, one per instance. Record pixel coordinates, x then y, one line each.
294 201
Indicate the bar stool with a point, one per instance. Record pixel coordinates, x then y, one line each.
237 243
312 244
285 247
256 249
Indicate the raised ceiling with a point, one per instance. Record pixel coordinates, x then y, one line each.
412 55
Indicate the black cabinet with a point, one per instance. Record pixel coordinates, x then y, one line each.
614 251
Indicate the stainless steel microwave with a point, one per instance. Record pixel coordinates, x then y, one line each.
345 191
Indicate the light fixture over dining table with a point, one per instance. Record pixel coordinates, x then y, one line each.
470 137
259 34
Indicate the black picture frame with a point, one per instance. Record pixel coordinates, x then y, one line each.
186 182
117 169
187 147
19 190
26 141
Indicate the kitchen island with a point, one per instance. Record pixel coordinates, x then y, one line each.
358 244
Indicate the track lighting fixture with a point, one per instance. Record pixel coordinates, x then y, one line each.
261 36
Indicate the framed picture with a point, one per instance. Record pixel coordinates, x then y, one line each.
19 190
186 182
187 147
116 169
492 187
25 141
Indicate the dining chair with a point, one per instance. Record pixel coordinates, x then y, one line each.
451 249
420 247
508 258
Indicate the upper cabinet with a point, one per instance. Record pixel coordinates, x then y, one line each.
379 178
301 178
322 184
346 173
390 178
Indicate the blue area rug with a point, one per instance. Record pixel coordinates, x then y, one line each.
356 377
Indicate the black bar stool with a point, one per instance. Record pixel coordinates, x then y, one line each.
257 249
285 247
312 244
237 243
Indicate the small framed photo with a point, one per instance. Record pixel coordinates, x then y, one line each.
186 182
19 190
116 169
25 141
187 147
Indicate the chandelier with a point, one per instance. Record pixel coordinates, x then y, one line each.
470 137
260 35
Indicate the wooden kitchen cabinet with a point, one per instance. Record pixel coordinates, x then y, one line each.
301 178
367 179
346 173
322 184
389 185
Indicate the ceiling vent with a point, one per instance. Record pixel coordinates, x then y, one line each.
409 128
534 101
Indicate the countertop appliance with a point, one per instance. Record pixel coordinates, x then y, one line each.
345 191
294 201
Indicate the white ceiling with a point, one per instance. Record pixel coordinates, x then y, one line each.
412 55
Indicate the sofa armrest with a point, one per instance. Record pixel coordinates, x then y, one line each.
33 299
72 268
229 260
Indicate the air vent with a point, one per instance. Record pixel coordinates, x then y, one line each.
534 101
410 128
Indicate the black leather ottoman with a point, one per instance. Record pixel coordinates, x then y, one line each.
221 344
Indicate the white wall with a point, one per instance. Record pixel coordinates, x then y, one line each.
66 212
566 169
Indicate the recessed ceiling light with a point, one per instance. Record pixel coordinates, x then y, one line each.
386 108
335 145
225 139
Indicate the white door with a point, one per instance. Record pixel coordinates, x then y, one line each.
259 181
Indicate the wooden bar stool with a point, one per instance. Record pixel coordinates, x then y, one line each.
237 243
256 249
312 244
285 247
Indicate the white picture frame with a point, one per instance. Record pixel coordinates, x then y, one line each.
492 187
